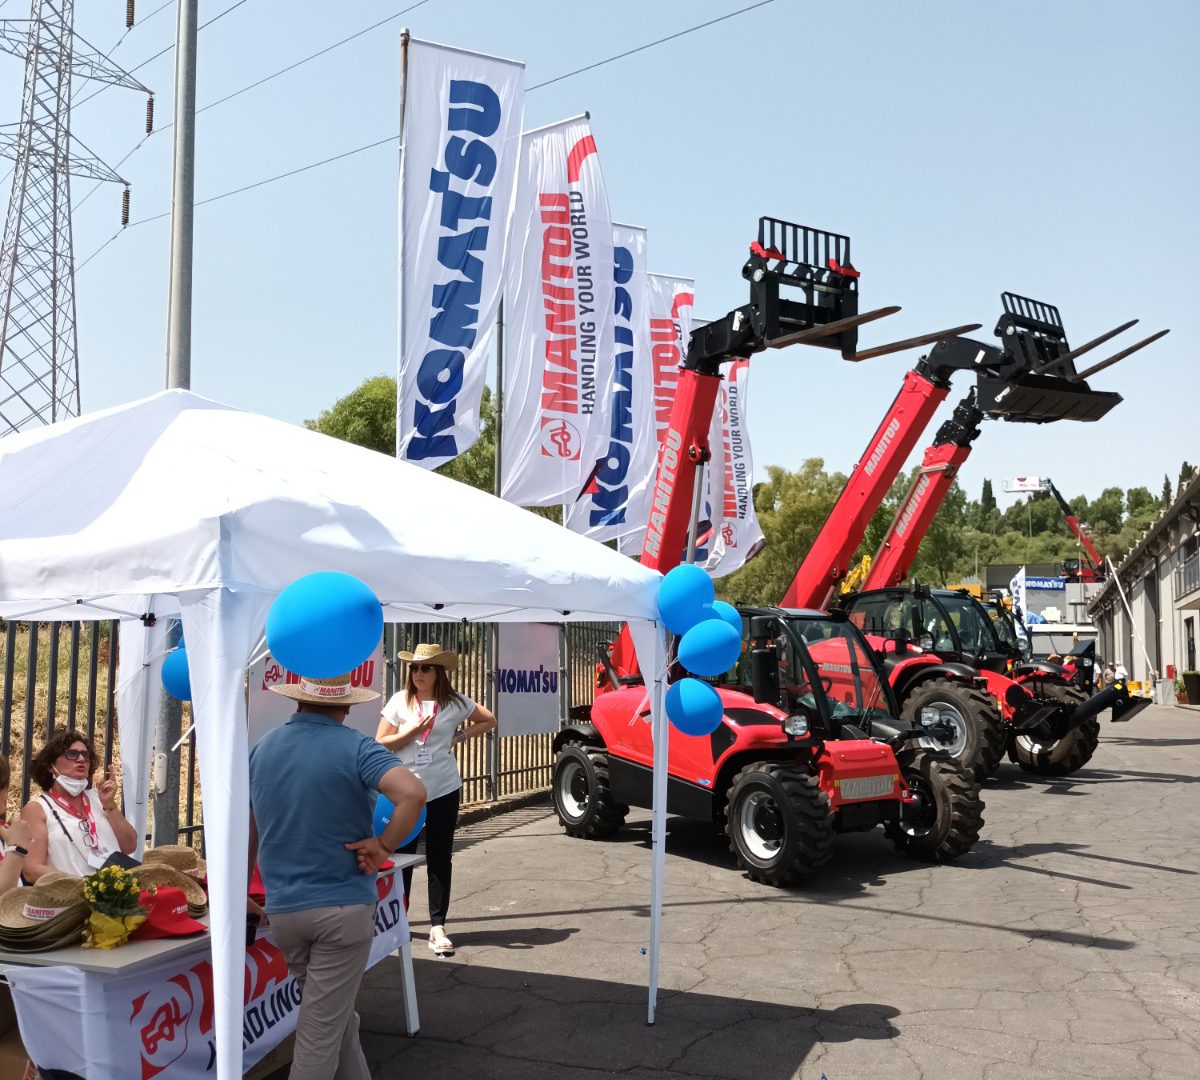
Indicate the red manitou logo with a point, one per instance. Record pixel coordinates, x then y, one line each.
160 1018
560 439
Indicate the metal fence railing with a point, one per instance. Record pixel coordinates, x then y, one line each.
64 674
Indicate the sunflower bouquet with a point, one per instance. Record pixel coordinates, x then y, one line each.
114 895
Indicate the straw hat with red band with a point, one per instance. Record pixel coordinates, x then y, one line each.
431 654
181 856
335 691
167 915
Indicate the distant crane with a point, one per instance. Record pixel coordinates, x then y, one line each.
1092 567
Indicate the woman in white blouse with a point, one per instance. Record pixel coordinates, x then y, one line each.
422 724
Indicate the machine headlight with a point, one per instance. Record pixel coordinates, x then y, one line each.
795 725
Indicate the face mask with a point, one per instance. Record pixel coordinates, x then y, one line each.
72 785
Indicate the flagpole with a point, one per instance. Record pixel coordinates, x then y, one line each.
404 38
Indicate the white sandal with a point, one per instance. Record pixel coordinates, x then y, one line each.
439 943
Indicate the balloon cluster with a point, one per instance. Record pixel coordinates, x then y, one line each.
321 626
710 642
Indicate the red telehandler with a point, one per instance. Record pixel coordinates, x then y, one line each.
1030 377
1049 716
1091 567
810 743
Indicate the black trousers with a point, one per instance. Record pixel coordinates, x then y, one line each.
441 817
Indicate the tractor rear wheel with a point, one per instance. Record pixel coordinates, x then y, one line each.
944 818
1058 757
979 736
582 797
779 822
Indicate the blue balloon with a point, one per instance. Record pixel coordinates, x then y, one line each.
710 647
683 597
729 613
694 707
324 625
383 815
175 676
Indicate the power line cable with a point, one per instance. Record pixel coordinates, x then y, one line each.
649 45
395 138
163 52
140 22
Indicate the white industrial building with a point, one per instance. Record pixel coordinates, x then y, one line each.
1147 615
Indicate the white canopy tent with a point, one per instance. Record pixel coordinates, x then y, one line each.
179 505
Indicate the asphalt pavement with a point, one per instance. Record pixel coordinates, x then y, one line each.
1065 944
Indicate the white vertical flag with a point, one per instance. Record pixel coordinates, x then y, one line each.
738 537
462 133
622 474
558 366
1017 587
670 301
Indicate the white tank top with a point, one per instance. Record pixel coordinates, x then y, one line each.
68 849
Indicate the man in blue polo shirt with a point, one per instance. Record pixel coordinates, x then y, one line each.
311 830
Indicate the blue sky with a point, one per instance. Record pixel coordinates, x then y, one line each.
1045 148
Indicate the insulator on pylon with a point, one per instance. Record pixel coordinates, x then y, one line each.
128 14
149 114
125 202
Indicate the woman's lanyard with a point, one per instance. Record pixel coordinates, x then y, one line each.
423 755
87 823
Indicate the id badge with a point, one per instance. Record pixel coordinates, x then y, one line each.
96 859
424 757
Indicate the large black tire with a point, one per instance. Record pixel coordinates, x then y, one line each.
945 819
979 732
1062 756
582 797
779 823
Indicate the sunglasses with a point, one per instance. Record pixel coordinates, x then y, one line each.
77 755
422 668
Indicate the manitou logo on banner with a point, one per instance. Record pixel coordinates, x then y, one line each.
559 318
460 149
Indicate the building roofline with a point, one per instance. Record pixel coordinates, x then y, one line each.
1191 491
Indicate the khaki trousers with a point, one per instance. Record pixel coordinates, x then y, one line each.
326 950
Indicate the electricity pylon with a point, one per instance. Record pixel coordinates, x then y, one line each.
39 355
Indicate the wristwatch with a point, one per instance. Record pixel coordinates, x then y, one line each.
14 849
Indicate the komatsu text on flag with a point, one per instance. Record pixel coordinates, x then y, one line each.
462 131
558 361
622 473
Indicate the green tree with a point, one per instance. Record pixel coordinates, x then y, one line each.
1139 503
791 507
1167 494
365 417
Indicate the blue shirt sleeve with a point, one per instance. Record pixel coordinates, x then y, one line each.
373 761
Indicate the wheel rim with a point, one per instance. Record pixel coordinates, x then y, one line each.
760 826
948 714
919 817
573 790
1053 751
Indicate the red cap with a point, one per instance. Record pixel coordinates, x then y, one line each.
167 915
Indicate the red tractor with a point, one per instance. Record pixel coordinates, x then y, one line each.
809 743
1051 716
809 746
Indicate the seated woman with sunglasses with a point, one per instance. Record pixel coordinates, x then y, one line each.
75 826
422 724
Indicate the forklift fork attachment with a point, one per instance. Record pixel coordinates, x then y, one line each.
1075 353
1119 356
913 342
832 328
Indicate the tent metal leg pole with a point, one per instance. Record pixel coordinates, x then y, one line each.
658 830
